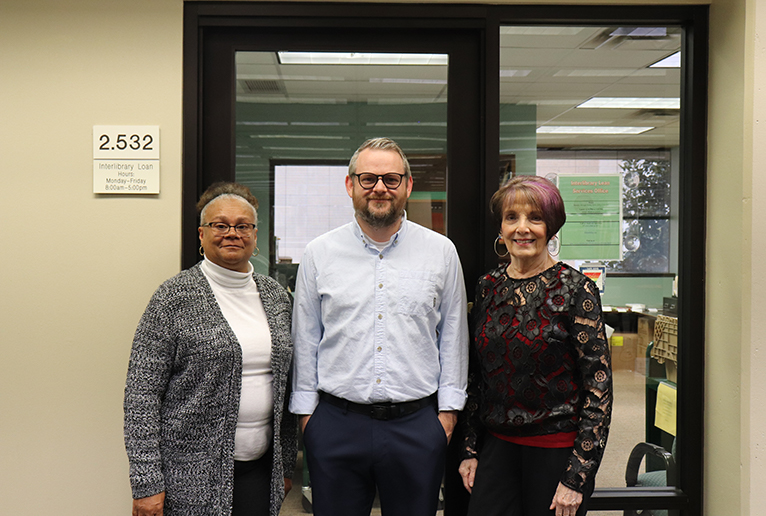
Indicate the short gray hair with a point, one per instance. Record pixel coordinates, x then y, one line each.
227 190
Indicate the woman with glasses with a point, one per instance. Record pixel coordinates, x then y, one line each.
207 430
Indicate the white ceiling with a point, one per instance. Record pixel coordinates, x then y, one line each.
553 68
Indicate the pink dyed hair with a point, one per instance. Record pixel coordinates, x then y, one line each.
536 191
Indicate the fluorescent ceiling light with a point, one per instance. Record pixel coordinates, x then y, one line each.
358 58
541 31
641 32
584 129
672 61
632 103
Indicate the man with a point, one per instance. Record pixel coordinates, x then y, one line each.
381 345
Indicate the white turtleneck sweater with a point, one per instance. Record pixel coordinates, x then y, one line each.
241 305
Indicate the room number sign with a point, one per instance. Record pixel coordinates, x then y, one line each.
126 159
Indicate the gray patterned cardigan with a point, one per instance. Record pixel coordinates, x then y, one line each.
182 397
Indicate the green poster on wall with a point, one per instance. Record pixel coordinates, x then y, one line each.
593 230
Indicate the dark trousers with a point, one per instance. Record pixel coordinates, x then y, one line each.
515 480
252 486
349 455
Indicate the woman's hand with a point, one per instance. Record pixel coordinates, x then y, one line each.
468 472
149 506
288 485
565 501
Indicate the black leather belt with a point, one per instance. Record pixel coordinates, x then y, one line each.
382 411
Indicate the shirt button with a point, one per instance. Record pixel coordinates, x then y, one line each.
380 316
380 348
380 285
380 256
377 381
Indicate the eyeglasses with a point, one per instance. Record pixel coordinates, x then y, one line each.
221 229
369 181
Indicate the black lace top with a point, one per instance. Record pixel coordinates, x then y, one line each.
540 365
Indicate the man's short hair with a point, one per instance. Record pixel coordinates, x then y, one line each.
382 144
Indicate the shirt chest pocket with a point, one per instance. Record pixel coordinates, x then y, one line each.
417 294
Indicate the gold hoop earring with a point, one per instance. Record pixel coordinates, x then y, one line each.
257 252
494 246
201 251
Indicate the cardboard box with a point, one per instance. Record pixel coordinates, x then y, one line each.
645 330
624 347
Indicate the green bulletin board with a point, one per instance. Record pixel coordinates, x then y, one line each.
593 230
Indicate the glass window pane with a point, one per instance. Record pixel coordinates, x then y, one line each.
300 117
587 101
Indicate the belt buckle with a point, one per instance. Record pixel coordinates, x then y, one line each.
380 412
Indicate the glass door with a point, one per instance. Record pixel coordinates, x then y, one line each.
298 101
299 118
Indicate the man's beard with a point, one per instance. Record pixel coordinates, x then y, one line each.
379 220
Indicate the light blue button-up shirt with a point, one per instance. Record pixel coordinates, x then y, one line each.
375 325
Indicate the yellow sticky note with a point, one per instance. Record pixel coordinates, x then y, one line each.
665 410
616 341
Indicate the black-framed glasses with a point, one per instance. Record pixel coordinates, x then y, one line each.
390 180
222 229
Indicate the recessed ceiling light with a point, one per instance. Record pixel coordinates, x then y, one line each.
359 58
584 129
632 103
672 61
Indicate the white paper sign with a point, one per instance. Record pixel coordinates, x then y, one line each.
126 159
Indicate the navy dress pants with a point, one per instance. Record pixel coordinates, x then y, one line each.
350 455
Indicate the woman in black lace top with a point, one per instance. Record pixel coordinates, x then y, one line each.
540 381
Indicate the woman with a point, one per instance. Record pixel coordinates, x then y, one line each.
207 429
539 387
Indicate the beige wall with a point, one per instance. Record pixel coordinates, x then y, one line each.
76 270
754 281
725 300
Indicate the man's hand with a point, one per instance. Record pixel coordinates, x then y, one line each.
149 506
288 485
448 419
304 420
566 501
468 472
